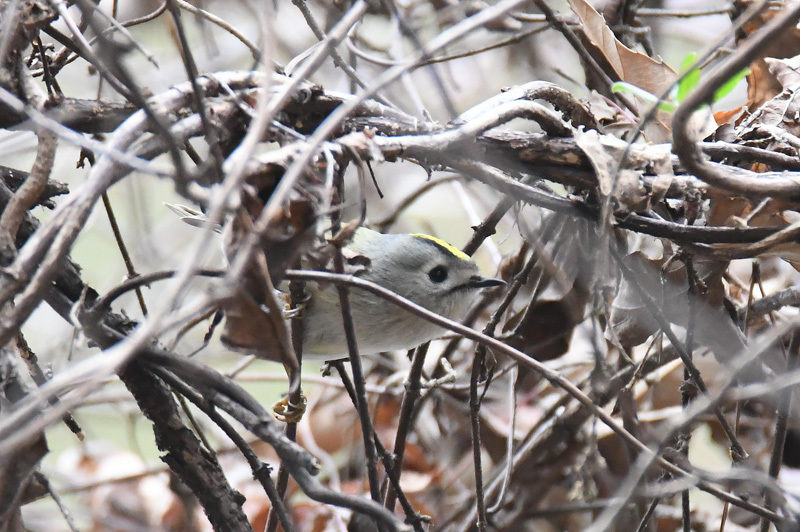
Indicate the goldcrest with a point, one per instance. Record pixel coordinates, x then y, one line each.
422 268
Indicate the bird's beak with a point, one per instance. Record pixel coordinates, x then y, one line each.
476 281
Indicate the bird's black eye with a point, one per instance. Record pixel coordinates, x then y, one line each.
438 274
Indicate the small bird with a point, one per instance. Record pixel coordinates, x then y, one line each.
421 268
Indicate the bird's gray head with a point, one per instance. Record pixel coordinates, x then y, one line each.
424 269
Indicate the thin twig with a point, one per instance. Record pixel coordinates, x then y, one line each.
406 418
782 422
738 451
358 380
558 380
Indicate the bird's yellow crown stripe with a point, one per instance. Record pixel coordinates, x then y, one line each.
449 247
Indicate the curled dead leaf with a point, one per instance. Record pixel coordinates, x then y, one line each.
605 153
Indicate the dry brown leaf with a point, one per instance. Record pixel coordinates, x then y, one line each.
312 516
739 212
605 153
633 321
665 175
543 332
146 502
253 316
249 328
762 84
613 120
727 117
333 422
786 71
771 120
627 65
631 66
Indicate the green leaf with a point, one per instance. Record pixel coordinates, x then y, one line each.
688 62
627 88
687 83
729 85
690 77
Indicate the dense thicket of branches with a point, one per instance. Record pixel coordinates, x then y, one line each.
635 373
